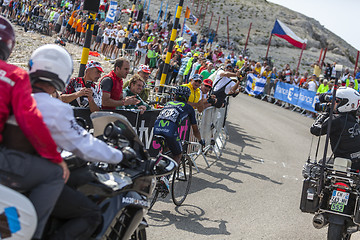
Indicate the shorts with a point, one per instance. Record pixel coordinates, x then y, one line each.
68 27
138 53
171 135
106 40
98 39
111 41
72 31
57 28
82 35
210 40
77 34
119 45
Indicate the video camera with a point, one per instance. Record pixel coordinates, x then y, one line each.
324 104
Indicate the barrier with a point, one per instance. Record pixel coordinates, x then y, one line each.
299 97
211 125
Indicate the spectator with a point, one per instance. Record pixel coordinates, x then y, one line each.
112 86
317 69
323 88
136 85
144 73
194 85
83 91
311 84
303 79
207 72
205 89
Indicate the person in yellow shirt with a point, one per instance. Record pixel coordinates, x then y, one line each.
257 69
194 86
240 62
317 69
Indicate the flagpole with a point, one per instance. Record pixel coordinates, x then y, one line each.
356 63
227 20
217 28
267 51
183 27
322 62
166 10
321 52
302 49
129 25
147 11
157 21
247 39
201 7
197 7
212 14
144 4
204 16
171 45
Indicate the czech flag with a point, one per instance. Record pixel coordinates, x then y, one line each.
282 31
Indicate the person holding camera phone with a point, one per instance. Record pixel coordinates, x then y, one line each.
345 129
83 91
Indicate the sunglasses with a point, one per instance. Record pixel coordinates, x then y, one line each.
198 81
207 86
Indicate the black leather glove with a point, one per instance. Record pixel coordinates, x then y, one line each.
202 142
129 155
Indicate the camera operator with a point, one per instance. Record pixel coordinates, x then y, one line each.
345 130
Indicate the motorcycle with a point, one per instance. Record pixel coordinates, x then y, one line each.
333 198
121 192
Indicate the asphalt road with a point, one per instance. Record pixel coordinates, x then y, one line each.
253 191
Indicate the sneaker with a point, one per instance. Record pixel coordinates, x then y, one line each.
165 181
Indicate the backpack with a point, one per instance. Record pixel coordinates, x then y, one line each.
220 94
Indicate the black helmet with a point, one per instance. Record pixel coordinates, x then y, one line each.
7 38
182 93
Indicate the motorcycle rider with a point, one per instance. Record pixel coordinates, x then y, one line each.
345 128
50 67
21 168
170 118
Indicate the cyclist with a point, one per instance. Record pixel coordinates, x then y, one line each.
170 118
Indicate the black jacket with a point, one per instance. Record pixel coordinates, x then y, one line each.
344 127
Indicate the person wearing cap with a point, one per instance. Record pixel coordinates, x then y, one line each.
205 89
223 84
83 91
311 84
144 73
194 86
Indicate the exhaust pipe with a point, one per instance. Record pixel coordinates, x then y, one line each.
319 221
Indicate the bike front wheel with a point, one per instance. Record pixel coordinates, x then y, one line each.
181 181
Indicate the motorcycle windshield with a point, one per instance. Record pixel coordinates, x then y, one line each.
101 119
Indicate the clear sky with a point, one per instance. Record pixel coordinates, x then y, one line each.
339 16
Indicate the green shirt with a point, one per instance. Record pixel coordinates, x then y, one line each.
205 73
323 89
127 93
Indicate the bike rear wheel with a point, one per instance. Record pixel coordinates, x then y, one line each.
181 181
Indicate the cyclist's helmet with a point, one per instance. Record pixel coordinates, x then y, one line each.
51 63
348 99
7 38
182 93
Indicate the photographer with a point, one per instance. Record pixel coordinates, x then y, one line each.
345 130
83 91
206 100
224 85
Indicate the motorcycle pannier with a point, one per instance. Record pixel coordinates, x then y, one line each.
309 199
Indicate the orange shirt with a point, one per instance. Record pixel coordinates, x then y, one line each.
71 19
84 27
78 26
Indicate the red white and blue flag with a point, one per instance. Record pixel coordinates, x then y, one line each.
282 31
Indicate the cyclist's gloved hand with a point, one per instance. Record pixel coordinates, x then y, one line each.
129 155
202 142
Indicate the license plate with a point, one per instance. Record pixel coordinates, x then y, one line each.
339 200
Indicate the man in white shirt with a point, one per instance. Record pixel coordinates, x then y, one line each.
311 84
224 85
50 67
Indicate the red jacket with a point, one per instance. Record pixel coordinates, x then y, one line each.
15 98
117 88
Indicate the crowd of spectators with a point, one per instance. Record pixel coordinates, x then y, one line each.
196 63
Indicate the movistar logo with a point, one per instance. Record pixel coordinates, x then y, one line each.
176 104
163 123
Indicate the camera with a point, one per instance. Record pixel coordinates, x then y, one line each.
211 100
322 107
88 84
